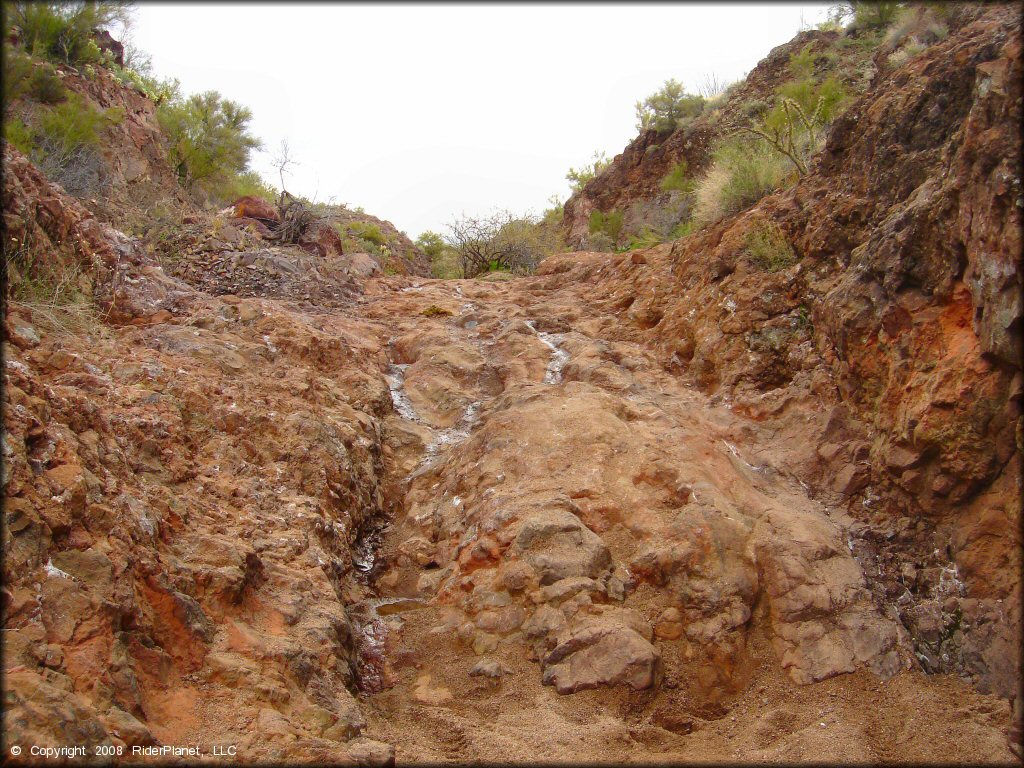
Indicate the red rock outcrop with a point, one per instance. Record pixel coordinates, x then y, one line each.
903 314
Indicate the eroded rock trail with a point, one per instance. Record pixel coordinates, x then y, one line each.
570 519
417 525
658 505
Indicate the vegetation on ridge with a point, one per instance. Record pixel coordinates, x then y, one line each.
759 143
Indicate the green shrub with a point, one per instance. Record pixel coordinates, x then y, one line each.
25 78
210 141
768 247
599 241
647 238
249 184
874 15
156 90
367 230
352 244
742 173
553 215
19 135
63 141
55 291
444 260
578 177
667 109
916 27
824 97
431 243
608 223
794 126
62 32
681 230
801 64
45 87
75 123
754 108
676 179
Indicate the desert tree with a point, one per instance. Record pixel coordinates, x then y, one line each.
500 241
668 108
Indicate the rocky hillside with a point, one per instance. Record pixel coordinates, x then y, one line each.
632 181
674 504
898 324
129 181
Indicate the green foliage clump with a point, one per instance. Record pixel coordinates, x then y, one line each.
874 15
156 90
63 141
62 32
25 78
19 135
742 172
367 230
431 243
553 215
249 184
210 141
676 180
916 27
669 108
444 260
803 108
646 238
609 224
682 229
578 177
75 123
768 247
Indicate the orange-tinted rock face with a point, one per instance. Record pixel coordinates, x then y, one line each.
905 309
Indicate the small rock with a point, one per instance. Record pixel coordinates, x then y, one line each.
487 668
417 549
431 695
21 334
370 753
484 642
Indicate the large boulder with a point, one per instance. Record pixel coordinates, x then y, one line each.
321 239
601 650
255 208
823 618
558 545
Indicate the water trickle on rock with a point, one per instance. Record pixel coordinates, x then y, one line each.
395 378
559 357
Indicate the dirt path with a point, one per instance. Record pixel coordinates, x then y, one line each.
507 401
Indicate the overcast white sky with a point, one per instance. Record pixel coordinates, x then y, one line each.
419 113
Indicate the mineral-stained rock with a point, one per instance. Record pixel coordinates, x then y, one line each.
598 651
370 753
255 208
486 667
558 546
